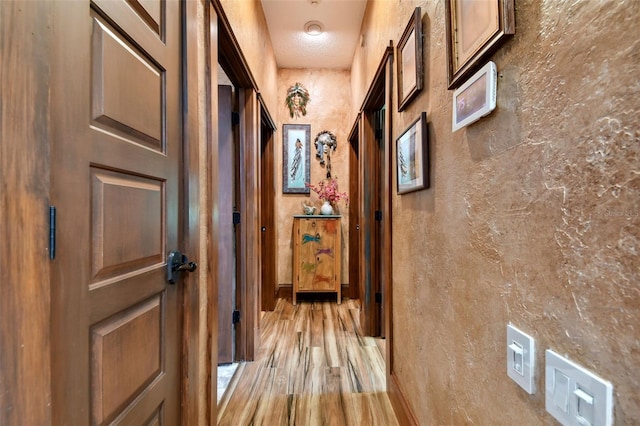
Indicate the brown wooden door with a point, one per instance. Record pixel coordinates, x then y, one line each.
116 183
226 235
374 157
267 218
354 212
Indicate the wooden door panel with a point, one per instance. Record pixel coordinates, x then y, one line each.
151 12
150 23
126 357
116 182
126 103
127 223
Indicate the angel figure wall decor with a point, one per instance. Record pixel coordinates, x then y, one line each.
325 142
297 100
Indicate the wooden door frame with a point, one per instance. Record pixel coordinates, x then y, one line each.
236 67
379 93
25 370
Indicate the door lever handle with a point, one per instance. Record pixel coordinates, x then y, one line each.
178 262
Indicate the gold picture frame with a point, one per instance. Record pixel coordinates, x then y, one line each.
475 29
410 62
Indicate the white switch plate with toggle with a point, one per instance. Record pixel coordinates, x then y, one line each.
520 358
576 396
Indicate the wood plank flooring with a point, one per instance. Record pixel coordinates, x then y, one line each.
314 368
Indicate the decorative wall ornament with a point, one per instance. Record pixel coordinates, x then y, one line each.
297 100
325 142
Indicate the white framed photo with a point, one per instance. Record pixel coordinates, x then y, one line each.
476 97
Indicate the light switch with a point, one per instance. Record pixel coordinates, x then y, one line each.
585 407
516 350
589 398
561 391
520 358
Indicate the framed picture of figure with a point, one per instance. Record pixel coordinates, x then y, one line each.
296 139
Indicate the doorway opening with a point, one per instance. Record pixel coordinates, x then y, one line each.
370 229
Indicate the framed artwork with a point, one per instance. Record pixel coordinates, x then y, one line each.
296 139
474 30
410 69
412 157
476 97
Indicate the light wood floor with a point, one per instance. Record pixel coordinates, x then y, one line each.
314 368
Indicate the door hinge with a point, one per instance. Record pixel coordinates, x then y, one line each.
235 118
378 297
52 232
378 215
235 317
236 218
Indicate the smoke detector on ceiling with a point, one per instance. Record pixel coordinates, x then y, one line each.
313 28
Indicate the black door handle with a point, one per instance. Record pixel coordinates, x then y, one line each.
178 262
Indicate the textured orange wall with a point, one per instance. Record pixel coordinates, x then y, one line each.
250 29
533 216
330 93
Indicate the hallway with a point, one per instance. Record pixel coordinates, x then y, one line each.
314 367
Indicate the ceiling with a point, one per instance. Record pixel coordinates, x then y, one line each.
340 21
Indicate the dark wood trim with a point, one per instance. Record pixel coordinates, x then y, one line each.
198 398
265 115
230 56
353 133
399 402
285 291
387 213
375 92
25 376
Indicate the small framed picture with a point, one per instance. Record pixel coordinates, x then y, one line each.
475 29
296 139
412 157
410 71
475 98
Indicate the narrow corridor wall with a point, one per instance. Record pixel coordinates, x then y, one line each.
533 215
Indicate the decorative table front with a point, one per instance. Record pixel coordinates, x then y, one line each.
317 253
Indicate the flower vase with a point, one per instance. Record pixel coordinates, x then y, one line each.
326 208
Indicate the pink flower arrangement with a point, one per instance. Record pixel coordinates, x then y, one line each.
327 190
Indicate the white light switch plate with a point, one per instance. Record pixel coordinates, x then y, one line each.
574 395
521 358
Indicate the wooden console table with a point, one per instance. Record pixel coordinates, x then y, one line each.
317 251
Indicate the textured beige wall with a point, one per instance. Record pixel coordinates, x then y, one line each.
330 93
533 216
250 28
